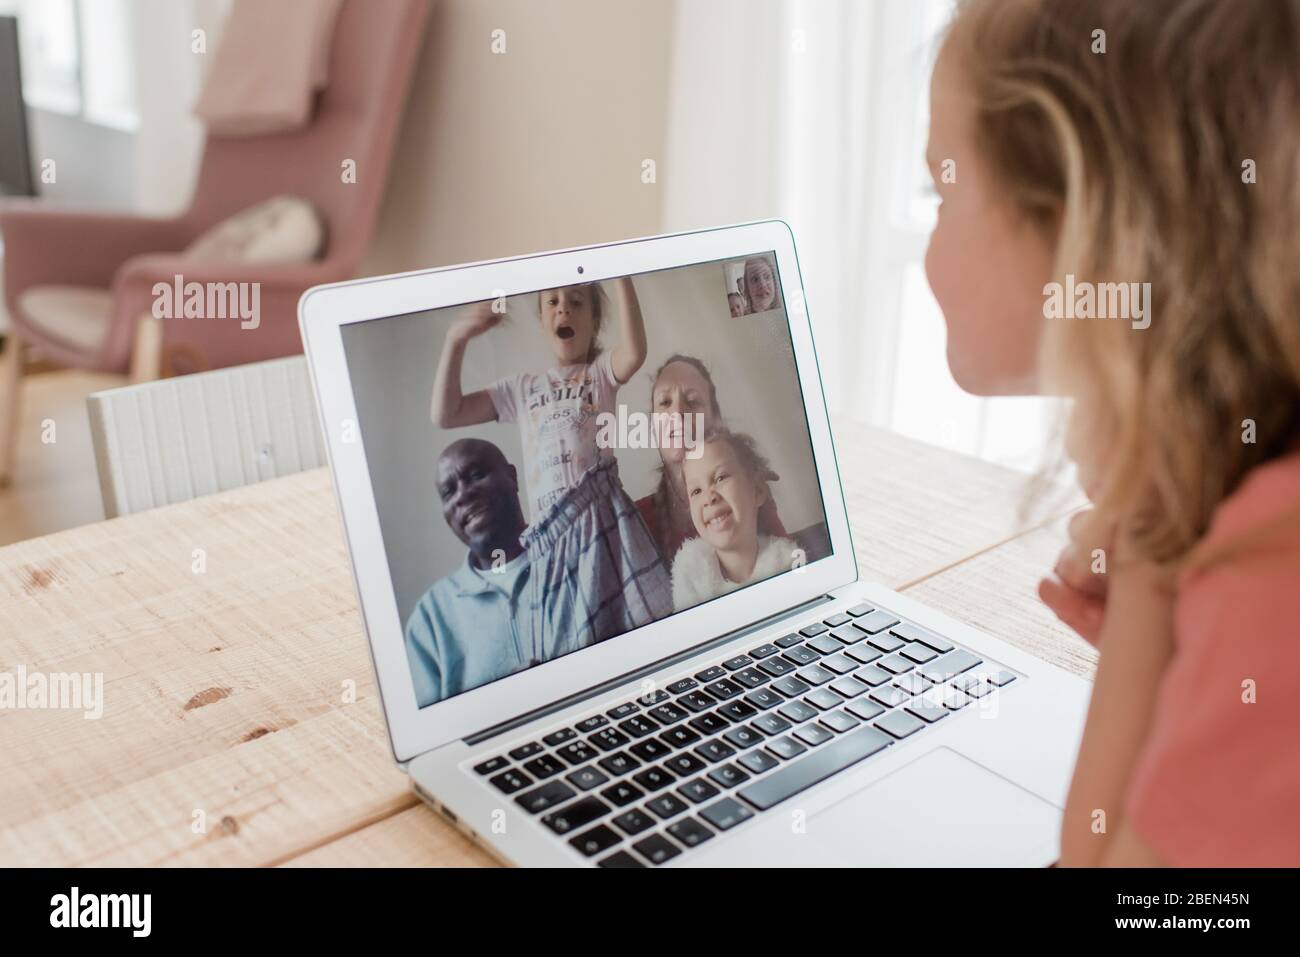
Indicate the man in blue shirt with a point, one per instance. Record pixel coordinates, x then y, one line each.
469 628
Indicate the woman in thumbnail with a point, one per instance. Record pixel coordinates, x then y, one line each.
727 487
760 284
595 571
683 386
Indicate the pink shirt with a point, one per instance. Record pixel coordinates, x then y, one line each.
1218 783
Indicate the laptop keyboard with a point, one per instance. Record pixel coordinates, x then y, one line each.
646 781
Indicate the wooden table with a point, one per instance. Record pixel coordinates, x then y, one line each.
228 735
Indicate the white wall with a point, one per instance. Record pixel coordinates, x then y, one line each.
391 363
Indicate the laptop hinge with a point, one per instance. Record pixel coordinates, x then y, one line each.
594 690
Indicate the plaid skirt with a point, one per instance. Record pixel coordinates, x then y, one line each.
594 570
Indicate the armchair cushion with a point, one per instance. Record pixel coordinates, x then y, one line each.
77 316
283 229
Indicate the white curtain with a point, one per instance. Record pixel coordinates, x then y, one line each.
816 112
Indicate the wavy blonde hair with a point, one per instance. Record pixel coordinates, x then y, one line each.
1135 161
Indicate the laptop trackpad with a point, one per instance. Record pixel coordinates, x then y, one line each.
943 809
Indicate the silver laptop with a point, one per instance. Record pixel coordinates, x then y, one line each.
605 568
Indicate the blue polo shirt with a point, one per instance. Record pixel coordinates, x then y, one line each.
468 629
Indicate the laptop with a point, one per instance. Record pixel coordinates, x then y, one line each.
605 567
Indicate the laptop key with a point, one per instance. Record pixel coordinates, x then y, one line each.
823 699
592 723
584 779
757 761
619 764
895 664
656 849
638 726
697 701
885 642
715 750
575 815
777 667
652 698
872 675
955 700
737 711
545 797
559 737
797 711
825 645
865 708
900 724
839 721
751 677
623 710
711 674
666 806
622 794
653 779
785 748
651 749
837 619
708 723
927 711
1002 677
813 630
876 621
816 767
544 766
526 750
490 765
763 651
684 764
726 814
681 687
763 699
857 611
890 697
599 838
864 654
953 663
788 640
728 776
508 782
738 662
679 737
698 791
633 822
608 739
841 664
815 675
742 737
724 689
619 859
848 635
790 686
919 653
802 655
909 632
914 683
848 687
690 832
579 752
668 713
813 734
771 725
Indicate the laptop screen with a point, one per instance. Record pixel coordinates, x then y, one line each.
559 468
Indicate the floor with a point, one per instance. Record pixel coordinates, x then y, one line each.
54 485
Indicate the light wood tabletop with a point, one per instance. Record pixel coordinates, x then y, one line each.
241 723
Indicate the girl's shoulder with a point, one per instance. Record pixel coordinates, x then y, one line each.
1269 494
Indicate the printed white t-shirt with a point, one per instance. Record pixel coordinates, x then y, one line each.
557 412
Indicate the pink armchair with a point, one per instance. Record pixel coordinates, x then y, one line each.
374 49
